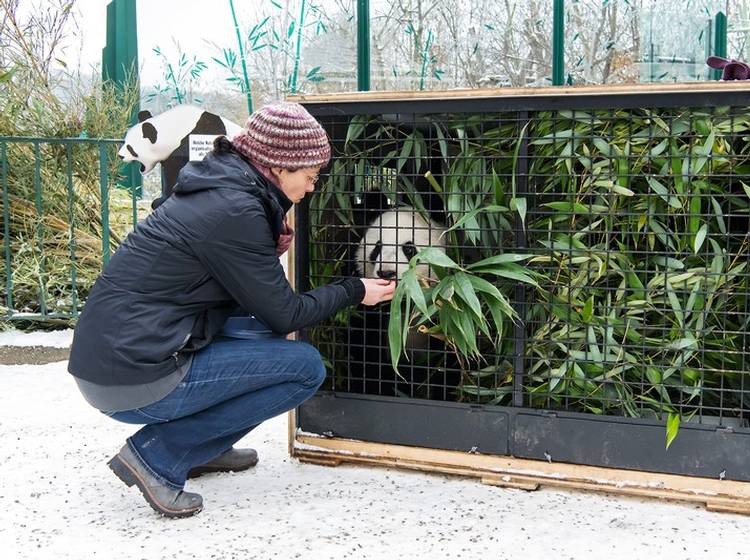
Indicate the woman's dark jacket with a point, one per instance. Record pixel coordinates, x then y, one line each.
205 252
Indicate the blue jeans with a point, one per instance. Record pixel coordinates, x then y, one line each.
232 386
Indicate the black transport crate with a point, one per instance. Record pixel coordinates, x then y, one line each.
635 214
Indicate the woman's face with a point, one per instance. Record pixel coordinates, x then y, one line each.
296 184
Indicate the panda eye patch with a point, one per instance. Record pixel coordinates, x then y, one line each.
409 249
132 151
375 253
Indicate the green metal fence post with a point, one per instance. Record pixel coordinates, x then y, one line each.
120 65
363 45
6 231
558 43
720 40
40 226
104 189
72 230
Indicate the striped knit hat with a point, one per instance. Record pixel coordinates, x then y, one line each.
284 135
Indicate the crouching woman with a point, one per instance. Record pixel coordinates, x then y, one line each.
147 348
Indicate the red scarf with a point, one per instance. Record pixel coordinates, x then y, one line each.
286 236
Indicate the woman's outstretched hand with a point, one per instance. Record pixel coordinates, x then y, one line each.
377 290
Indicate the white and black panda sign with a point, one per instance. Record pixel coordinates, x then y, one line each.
392 239
167 137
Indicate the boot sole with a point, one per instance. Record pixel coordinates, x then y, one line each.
128 475
195 472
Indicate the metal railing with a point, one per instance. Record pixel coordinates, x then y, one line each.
58 202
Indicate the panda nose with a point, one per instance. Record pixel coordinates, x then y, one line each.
386 274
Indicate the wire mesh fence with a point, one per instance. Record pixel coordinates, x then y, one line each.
587 256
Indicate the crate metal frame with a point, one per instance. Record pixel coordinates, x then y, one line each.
548 436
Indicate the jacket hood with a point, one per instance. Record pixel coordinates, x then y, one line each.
227 171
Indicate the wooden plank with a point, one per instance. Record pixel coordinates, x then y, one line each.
321 461
510 482
714 494
598 90
290 275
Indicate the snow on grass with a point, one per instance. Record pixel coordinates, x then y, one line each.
55 339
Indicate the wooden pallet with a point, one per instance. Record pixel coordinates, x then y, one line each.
714 494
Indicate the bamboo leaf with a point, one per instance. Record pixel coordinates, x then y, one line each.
519 204
355 130
576 207
588 310
465 290
700 237
719 215
506 273
498 188
603 146
395 340
499 259
414 290
673 427
481 285
669 262
682 343
662 191
676 307
405 153
469 216
435 256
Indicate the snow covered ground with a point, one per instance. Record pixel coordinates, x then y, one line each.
58 500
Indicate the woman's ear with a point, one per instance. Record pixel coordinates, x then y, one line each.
277 172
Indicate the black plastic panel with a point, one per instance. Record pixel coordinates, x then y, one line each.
557 437
454 427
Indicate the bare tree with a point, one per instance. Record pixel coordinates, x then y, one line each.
598 31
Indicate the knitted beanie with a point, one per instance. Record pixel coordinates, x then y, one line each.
284 135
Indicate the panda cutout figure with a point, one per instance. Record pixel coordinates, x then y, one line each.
166 136
384 251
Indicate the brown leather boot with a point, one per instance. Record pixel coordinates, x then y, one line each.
164 499
232 460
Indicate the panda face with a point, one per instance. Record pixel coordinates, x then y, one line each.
392 239
141 145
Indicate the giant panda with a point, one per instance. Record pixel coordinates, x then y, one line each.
166 136
392 239
384 251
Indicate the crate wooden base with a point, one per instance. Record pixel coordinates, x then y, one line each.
715 495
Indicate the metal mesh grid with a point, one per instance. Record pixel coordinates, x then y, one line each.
633 223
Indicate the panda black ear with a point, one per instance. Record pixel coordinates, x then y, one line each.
143 115
149 131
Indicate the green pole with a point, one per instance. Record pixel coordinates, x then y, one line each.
363 45
120 54
558 43
298 48
720 40
120 65
104 193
